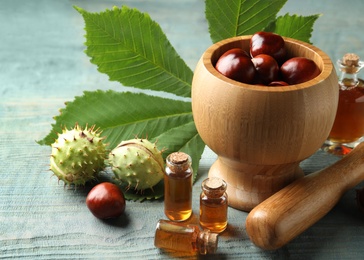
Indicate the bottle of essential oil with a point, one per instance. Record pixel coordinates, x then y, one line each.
178 187
214 205
349 121
185 238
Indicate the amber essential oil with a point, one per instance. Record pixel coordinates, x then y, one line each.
349 121
178 187
185 238
214 205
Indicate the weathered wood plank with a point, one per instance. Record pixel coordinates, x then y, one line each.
42 65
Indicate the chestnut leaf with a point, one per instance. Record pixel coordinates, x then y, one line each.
294 26
239 17
245 17
132 49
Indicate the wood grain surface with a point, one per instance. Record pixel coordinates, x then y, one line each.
42 65
296 207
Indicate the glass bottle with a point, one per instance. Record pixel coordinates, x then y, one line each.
185 238
348 126
178 187
214 205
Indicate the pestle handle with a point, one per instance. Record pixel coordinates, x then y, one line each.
290 211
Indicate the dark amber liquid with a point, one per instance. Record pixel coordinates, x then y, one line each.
178 195
213 213
349 122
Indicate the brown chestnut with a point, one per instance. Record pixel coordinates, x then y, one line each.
237 65
278 83
106 200
267 69
268 43
299 69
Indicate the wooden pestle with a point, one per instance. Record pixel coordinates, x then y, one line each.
290 211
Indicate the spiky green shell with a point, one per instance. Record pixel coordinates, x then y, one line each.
138 163
78 155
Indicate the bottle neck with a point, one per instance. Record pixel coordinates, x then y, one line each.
207 242
349 65
348 80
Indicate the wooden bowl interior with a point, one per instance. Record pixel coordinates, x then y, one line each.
294 48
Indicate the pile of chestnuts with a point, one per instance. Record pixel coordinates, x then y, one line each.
266 63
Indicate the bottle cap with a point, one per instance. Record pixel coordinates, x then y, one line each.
214 187
178 162
178 158
350 63
351 59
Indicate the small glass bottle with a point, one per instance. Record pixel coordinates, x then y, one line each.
348 126
184 238
214 205
178 187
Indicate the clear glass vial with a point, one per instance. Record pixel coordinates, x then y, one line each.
214 205
184 238
178 186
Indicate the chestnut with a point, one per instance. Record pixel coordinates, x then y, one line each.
278 83
267 69
299 69
268 43
105 201
237 65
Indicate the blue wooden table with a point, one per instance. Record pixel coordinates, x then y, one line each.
42 65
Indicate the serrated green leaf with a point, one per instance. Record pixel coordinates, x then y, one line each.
184 138
294 26
239 17
132 49
122 115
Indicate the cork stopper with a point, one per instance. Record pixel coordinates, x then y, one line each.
351 59
350 63
207 242
178 158
178 162
214 187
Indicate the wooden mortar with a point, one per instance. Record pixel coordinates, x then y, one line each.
260 133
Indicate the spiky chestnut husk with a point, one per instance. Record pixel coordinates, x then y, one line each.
78 155
138 163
